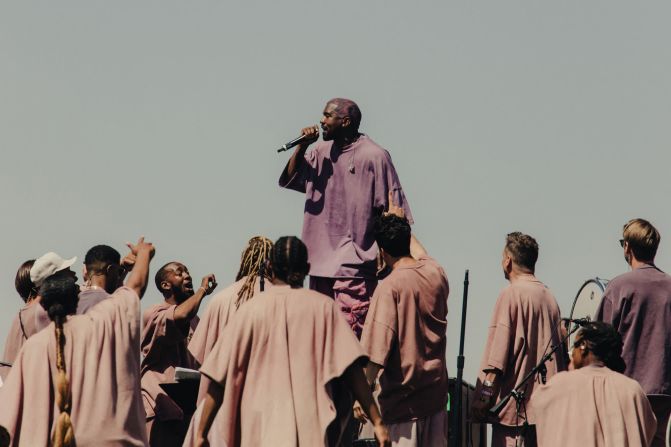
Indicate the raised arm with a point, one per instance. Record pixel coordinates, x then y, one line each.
188 309
211 404
298 157
417 250
139 258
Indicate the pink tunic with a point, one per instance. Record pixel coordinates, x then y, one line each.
103 367
525 323
593 407
279 362
164 348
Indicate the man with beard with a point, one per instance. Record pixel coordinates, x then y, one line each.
167 329
346 180
638 305
525 323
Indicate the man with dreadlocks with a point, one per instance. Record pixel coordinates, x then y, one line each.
77 381
221 309
595 404
346 180
285 371
167 329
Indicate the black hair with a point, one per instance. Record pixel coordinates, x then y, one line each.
523 249
161 275
392 234
605 343
59 297
98 258
290 260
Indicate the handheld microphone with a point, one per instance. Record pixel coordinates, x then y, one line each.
578 321
295 142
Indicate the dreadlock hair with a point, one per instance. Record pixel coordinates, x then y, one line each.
98 258
605 343
255 255
392 234
59 299
290 260
24 286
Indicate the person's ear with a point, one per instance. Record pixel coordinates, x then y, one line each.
346 121
85 273
165 286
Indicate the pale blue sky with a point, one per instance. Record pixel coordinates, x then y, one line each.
162 118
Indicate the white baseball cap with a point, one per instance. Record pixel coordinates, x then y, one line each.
48 264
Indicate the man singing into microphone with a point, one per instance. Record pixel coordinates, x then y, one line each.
346 180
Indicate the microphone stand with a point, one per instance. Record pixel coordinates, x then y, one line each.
456 435
9 365
518 392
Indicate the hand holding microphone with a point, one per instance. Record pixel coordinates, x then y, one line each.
308 136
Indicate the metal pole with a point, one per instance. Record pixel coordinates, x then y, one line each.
457 412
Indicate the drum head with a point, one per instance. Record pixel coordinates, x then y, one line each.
587 301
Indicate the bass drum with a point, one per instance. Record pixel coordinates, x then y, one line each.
587 301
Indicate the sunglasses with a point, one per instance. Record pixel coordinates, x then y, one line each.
622 241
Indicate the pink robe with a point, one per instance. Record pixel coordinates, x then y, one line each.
220 309
279 362
164 348
104 370
524 324
593 407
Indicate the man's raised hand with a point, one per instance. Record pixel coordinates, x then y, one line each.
394 209
209 283
141 245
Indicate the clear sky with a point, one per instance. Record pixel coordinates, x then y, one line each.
161 118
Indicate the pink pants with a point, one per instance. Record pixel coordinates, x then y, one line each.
352 296
430 431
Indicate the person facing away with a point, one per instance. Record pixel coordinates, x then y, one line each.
285 369
77 382
104 271
220 310
346 180
32 318
525 325
594 405
405 337
638 305
166 330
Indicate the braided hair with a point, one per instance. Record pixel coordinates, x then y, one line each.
605 343
59 299
255 255
24 286
290 260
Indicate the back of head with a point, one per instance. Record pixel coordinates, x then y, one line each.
605 343
24 286
255 256
642 237
392 234
347 107
59 299
100 257
290 260
162 275
523 249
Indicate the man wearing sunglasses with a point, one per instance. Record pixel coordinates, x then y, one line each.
638 305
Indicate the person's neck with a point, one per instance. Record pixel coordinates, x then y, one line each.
97 281
170 299
516 275
636 264
346 140
403 261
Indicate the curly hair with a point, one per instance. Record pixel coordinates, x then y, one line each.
392 234
523 249
602 340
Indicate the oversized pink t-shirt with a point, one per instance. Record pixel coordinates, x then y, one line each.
525 325
164 347
405 333
103 366
593 406
343 189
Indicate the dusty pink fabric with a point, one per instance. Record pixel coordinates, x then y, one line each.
352 296
429 431
89 298
13 343
524 324
344 187
102 363
164 347
279 361
405 333
593 406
